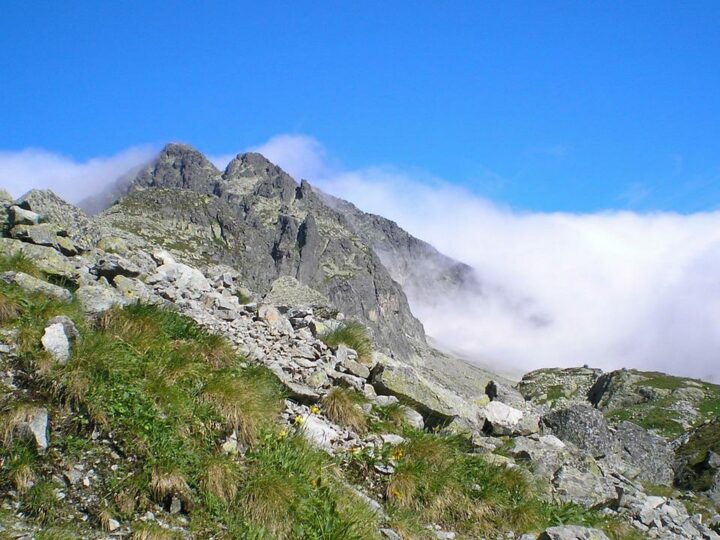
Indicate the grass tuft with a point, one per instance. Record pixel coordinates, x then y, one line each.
343 406
221 479
19 262
354 335
246 401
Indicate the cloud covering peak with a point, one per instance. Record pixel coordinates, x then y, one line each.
612 289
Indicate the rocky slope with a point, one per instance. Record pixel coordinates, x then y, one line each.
189 364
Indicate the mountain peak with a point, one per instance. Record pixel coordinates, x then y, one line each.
180 166
252 164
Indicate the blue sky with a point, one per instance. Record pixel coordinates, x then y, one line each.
573 106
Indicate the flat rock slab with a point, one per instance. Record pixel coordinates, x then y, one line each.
34 285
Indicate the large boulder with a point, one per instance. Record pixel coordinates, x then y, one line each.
288 292
650 454
83 232
556 387
439 405
47 259
33 285
22 216
583 426
583 482
45 234
572 532
96 298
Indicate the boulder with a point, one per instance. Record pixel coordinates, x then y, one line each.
556 387
33 285
21 216
47 259
110 265
319 432
436 402
649 453
509 396
32 422
45 234
572 532
96 298
58 336
583 482
133 290
288 292
583 426
272 316
502 419
413 418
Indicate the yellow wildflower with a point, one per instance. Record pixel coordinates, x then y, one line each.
299 420
315 409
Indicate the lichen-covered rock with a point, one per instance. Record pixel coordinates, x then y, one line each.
572 532
583 482
556 387
45 234
34 285
47 259
80 229
649 453
96 298
583 426
22 216
286 291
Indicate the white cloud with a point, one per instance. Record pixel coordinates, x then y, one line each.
617 289
23 170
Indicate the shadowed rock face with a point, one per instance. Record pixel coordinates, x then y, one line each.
256 218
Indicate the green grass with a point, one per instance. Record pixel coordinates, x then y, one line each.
170 393
41 502
19 262
352 334
654 416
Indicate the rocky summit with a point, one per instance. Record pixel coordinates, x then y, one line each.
232 354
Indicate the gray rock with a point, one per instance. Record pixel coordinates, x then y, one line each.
272 316
501 419
584 483
80 229
47 259
56 342
20 216
413 418
98 298
45 234
34 423
572 532
583 426
34 285
509 396
650 453
350 364
319 432
390 534
384 401
286 291
556 387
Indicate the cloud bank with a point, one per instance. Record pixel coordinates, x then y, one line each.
73 180
613 289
